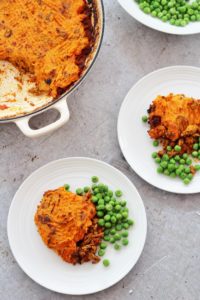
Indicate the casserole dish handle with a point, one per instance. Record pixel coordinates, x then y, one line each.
61 106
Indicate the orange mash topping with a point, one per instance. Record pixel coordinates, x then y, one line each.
46 38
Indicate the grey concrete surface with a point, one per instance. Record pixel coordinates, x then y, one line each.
169 268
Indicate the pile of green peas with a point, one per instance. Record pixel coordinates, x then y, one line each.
180 166
112 213
113 216
176 12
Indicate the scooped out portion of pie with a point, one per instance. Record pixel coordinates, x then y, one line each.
67 224
49 39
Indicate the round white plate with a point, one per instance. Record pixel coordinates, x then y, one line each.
134 140
133 9
41 263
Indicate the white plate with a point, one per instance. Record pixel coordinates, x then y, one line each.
133 9
41 263
134 140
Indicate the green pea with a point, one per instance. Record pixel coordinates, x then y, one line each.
183 175
171 167
125 215
172 161
113 231
160 170
118 216
100 207
101 222
157 160
173 175
182 161
106 262
125 225
178 171
123 203
101 252
118 193
95 179
188 161
177 148
167 172
113 219
186 181
101 202
100 213
96 191
67 187
103 245
117 246
187 170
130 222
190 176
101 187
155 143
124 234
194 153
196 146
154 13
165 157
177 158
110 193
147 10
106 231
169 148
108 225
144 119
106 238
197 167
79 191
86 189
99 196
118 227
112 240
164 164
107 199
118 207
125 242
117 237
185 155
94 186
154 155
112 203
108 207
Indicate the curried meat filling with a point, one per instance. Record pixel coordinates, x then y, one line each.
50 39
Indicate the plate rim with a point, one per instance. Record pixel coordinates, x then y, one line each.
146 77
68 159
160 29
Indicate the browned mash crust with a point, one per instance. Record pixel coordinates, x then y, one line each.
175 119
67 225
50 39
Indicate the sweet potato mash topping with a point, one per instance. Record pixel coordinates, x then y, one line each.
49 39
174 118
66 224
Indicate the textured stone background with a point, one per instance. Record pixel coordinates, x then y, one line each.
169 267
